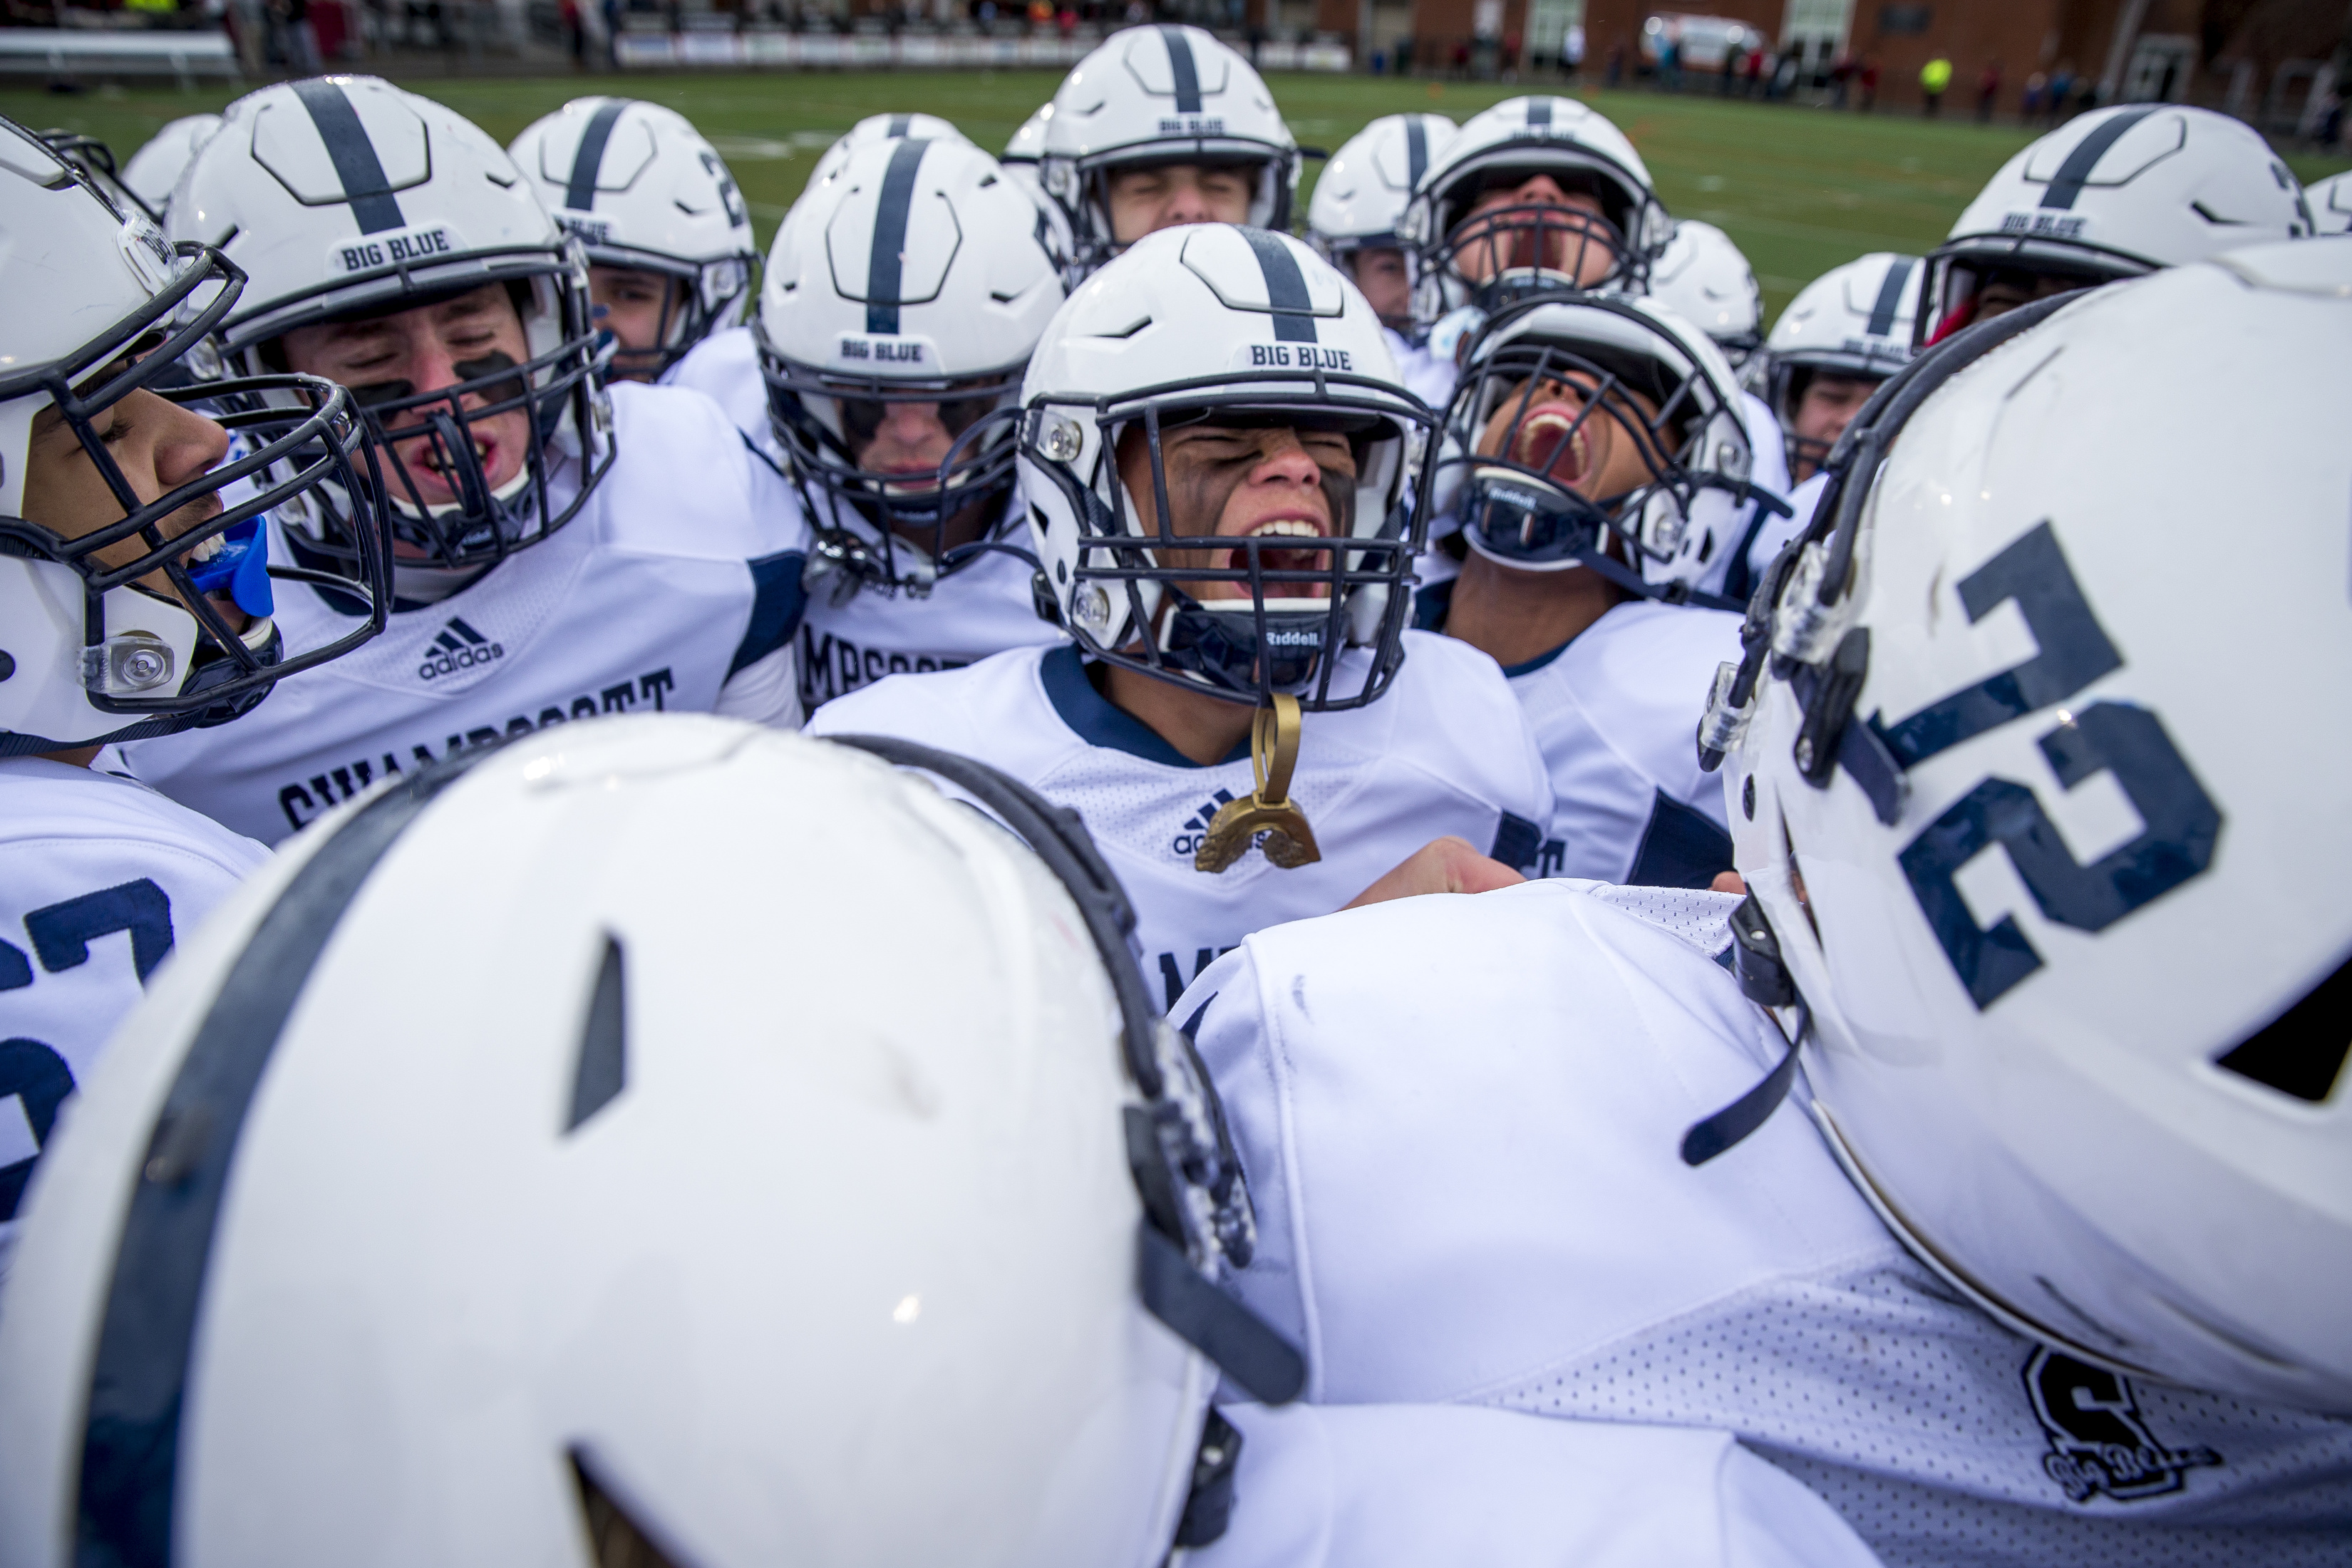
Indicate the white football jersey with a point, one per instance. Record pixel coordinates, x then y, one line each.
1616 710
1427 375
658 596
1518 1230
1417 1486
1445 750
984 607
103 875
725 368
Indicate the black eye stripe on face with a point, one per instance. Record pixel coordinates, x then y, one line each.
489 364
376 392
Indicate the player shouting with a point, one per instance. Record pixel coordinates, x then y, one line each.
1238 719
560 552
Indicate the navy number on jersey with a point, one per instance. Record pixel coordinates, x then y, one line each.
34 1079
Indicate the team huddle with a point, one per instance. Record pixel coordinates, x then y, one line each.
1882 1105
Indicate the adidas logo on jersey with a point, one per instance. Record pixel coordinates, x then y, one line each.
1187 837
459 647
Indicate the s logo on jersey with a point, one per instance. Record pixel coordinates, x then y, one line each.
459 647
2099 1447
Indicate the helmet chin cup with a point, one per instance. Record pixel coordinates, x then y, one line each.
213 669
1529 523
473 505
1221 647
476 521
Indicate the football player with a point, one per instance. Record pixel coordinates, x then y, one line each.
1837 342
670 257
2041 933
931 1275
2113 193
901 302
1226 383
1352 220
563 551
135 600
1596 468
1534 194
1159 127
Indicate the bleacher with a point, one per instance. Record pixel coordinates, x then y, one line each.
51 53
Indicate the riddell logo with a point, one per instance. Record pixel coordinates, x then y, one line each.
459 647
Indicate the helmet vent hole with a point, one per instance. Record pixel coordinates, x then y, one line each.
614 1540
602 1072
2301 1052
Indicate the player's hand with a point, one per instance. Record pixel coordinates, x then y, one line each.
1727 882
1446 865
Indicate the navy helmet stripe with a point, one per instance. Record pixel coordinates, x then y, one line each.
887 261
1539 111
2068 182
137 1382
1416 151
1180 64
588 159
1890 296
900 124
357 167
1285 288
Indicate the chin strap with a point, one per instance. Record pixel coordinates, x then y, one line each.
1274 753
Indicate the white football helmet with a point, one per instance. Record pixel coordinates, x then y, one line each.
914 275
2112 193
1852 320
1600 432
1162 94
1514 252
99 307
1211 323
156 167
1359 197
1702 276
2043 832
2330 202
643 189
898 1275
1020 163
876 128
345 196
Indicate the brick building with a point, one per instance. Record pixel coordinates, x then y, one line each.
2271 61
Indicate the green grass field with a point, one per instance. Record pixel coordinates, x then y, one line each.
1801 190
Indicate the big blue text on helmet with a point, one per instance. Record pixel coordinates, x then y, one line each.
394 249
883 349
2042 226
591 230
1300 356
